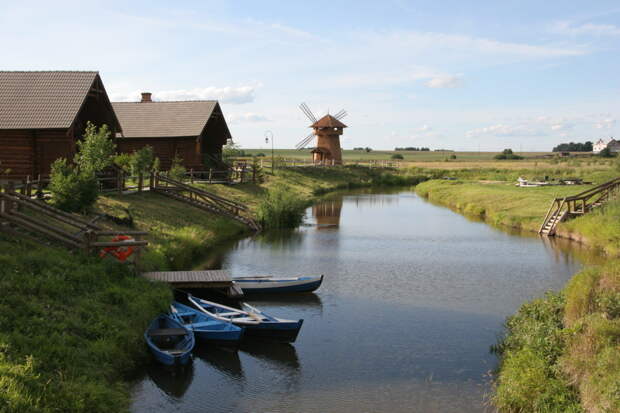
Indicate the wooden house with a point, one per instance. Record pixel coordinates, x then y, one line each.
43 114
195 131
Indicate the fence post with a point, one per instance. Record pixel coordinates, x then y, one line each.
210 174
140 181
152 180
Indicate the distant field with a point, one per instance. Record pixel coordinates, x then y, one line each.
409 156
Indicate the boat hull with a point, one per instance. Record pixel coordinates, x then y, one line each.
269 286
283 332
207 329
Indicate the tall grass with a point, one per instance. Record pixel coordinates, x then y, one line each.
70 330
281 208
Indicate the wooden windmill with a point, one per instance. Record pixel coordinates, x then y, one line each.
327 130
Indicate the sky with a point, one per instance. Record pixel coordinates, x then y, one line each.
444 74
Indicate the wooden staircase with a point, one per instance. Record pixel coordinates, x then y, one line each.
202 199
562 209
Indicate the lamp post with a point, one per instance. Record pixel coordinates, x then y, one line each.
269 135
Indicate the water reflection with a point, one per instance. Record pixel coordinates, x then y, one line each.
172 381
225 360
327 213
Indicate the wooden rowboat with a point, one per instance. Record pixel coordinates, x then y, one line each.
269 284
169 341
205 327
255 322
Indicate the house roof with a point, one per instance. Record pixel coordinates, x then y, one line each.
328 121
42 100
164 119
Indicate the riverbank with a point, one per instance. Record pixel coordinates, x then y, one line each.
71 325
560 353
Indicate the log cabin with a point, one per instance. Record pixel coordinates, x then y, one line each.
44 113
193 130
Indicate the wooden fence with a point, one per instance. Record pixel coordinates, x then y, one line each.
23 216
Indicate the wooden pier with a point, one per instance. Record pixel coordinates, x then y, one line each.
210 279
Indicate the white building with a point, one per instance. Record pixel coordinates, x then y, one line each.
599 146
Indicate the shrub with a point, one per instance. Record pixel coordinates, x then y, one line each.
606 153
280 208
177 170
72 189
257 171
507 154
397 156
143 161
260 154
123 161
452 156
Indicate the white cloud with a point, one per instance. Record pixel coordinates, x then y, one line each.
445 81
248 117
568 28
606 123
505 131
229 94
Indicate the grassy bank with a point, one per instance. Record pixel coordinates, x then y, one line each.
70 329
71 325
559 353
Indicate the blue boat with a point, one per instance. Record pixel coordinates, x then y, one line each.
255 322
169 341
268 284
205 327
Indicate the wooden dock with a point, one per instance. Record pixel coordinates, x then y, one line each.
211 279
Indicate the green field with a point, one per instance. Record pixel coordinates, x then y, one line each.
350 155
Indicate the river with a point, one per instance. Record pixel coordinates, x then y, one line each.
414 296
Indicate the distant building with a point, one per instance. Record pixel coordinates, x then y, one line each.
599 146
612 144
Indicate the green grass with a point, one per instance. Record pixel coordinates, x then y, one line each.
599 229
70 330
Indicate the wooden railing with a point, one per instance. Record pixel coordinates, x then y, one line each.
202 199
23 216
575 205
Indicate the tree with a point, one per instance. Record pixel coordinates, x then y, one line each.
397 156
95 150
507 154
606 153
143 161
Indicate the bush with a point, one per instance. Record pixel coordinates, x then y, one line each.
280 208
397 156
606 153
123 161
72 189
143 161
260 154
177 170
507 154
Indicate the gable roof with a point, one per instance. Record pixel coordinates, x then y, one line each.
164 119
328 121
41 100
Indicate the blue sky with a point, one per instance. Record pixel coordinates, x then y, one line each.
444 74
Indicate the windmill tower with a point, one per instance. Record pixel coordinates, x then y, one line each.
327 130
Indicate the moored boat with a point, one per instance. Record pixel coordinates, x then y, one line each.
206 327
256 322
169 341
270 284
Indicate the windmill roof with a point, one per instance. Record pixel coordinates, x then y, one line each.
42 99
328 121
163 119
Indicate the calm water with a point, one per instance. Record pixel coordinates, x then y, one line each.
413 297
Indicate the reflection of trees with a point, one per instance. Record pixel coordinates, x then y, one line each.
172 381
327 213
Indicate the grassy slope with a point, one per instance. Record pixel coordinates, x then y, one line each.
71 326
70 330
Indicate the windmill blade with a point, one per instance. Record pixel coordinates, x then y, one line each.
302 144
341 114
306 110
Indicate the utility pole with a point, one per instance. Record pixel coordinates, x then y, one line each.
269 135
